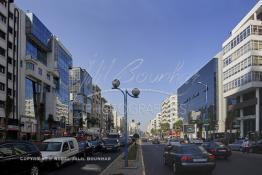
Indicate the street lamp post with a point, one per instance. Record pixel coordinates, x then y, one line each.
135 93
206 111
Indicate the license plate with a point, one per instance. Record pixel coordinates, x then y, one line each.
222 150
199 160
108 148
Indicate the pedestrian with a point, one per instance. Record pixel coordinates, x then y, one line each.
245 146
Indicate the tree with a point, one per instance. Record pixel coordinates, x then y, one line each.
178 125
8 111
153 131
165 127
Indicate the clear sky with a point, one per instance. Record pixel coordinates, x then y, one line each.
154 45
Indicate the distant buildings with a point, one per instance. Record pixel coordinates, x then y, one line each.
81 97
169 110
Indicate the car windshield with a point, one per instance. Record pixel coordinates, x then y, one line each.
110 141
50 146
192 150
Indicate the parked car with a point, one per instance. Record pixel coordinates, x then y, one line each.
256 147
85 149
58 151
237 145
122 141
155 141
96 145
19 157
110 145
218 149
188 157
144 139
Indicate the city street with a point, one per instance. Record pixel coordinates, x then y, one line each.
237 164
84 167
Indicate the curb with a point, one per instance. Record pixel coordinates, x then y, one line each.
111 164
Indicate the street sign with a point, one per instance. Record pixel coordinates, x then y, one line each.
189 128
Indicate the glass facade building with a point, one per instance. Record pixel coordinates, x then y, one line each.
64 63
80 94
191 95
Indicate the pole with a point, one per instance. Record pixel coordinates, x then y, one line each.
126 140
206 113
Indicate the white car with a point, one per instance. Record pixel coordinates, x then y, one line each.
59 150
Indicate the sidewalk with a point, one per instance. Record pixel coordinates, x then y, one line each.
135 167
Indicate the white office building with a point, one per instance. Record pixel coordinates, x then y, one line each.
242 73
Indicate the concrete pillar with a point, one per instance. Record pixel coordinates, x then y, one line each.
255 16
257 109
241 120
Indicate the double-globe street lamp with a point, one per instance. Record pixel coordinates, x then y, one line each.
135 94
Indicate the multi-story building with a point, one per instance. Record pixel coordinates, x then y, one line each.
242 73
155 123
38 73
63 60
108 111
96 106
103 117
81 97
200 97
169 110
10 32
116 121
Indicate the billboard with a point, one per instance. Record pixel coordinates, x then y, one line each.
189 129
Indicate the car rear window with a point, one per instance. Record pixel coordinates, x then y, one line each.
192 150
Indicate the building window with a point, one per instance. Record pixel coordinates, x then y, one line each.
3 3
9 60
2 86
2 18
9 76
2 51
40 71
2 69
9 91
30 66
48 76
2 104
10 30
11 15
2 34
10 45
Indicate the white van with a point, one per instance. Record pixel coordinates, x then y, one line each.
59 150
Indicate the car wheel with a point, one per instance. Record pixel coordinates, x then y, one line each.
175 169
34 170
164 160
209 172
57 164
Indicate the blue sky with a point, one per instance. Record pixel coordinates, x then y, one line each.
154 45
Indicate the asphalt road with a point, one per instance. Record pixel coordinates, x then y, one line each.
90 167
237 164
